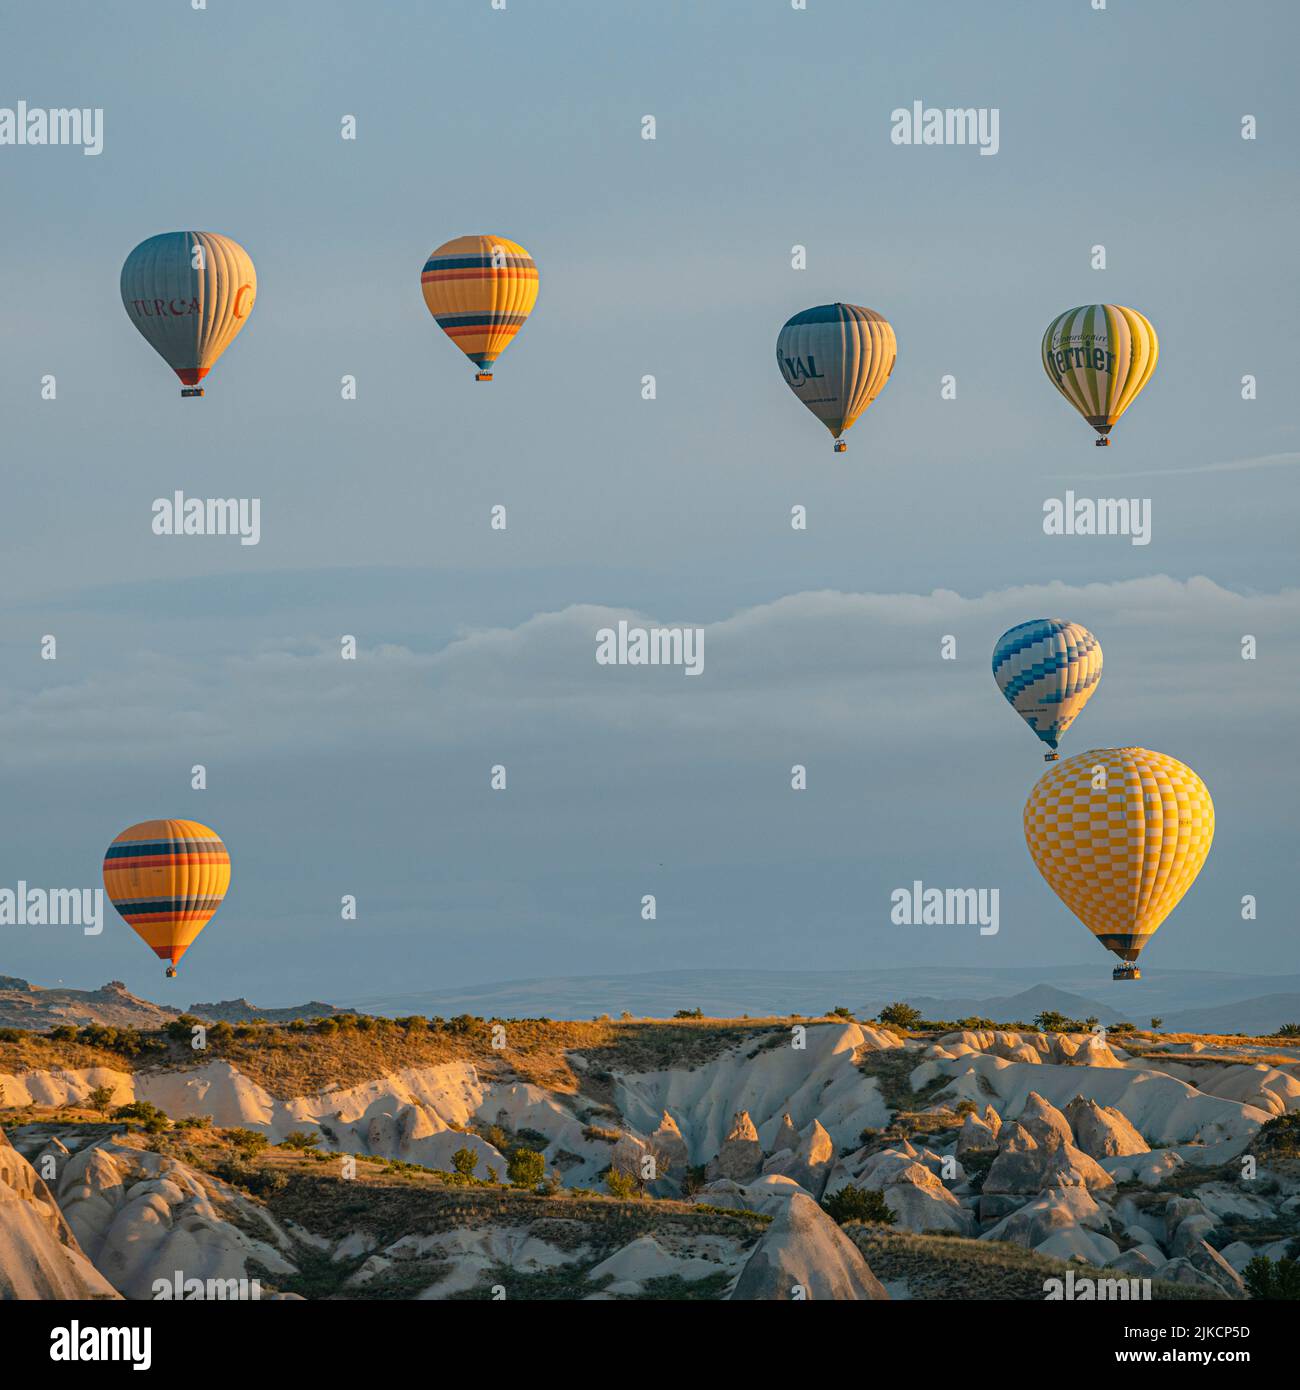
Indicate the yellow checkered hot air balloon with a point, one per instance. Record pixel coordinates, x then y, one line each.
480 289
1099 356
167 878
1120 835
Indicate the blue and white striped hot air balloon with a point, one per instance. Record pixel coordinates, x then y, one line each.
1047 668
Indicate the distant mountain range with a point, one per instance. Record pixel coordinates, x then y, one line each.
24 1005
1227 1002
1185 1000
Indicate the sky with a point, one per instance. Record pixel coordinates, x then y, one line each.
671 257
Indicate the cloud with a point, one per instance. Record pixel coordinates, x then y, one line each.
824 669
1224 466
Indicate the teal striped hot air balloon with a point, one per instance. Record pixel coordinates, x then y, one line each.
1047 668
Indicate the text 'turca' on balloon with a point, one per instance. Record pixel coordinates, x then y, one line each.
1047 668
480 289
189 294
836 358
1120 835
1099 357
166 878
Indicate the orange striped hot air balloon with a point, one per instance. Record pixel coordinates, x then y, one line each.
166 878
480 289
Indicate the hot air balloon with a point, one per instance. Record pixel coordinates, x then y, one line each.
189 294
836 358
1120 834
480 289
1047 668
167 878
1099 357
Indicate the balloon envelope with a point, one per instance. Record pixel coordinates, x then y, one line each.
1099 356
189 294
1120 846
836 358
480 289
1047 668
167 878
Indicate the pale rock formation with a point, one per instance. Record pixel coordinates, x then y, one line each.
1141 1261
920 1202
1024 1165
811 1161
804 1249
787 1137
1076 1243
1061 1208
141 1216
741 1156
1150 1169
1178 1209
1191 1235
1043 1121
1102 1131
39 1254
669 1148
976 1135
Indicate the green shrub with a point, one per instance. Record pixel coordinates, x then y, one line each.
464 1161
525 1167
857 1204
620 1184
1272 1279
899 1015
300 1139
145 1114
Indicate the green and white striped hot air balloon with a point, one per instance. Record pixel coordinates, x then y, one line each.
1099 357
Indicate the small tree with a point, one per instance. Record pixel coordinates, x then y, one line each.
857 1204
900 1015
620 1184
689 1013
1272 1279
300 1139
1288 1030
464 1161
1157 1024
145 1114
525 1167
100 1099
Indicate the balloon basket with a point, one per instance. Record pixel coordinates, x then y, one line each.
1126 972
1102 443
1051 757
840 446
191 391
482 376
171 972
